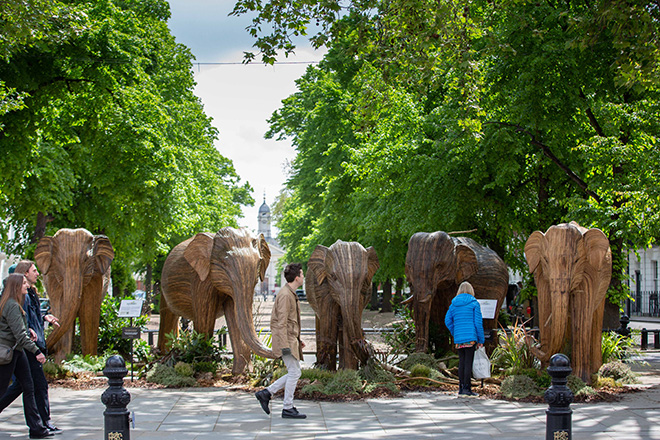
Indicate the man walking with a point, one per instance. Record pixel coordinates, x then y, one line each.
285 336
36 328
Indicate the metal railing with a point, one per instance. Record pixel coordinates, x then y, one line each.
644 303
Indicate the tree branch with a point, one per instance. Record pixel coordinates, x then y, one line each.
592 118
546 151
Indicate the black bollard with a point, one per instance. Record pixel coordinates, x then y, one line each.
116 398
559 398
645 339
623 330
656 339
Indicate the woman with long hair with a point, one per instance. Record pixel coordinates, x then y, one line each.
466 325
14 333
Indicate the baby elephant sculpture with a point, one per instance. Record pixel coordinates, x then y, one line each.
338 285
214 274
436 264
572 268
76 269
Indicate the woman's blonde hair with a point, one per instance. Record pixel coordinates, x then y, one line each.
14 283
465 287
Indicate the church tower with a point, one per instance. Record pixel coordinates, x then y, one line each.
264 220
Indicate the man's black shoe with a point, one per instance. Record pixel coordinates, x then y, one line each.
52 428
263 397
292 413
46 434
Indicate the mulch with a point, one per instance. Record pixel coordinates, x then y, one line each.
241 384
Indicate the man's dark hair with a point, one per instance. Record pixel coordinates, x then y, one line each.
291 271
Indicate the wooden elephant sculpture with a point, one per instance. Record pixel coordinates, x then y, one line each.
436 264
338 284
209 275
76 269
572 268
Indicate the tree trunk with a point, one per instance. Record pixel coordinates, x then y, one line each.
387 296
148 293
374 297
398 292
40 228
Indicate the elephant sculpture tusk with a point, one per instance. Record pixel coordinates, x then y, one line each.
408 300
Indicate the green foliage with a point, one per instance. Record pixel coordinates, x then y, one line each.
192 347
166 375
314 374
616 347
344 382
76 363
101 129
52 370
418 358
110 329
402 339
513 355
205 367
184 369
575 384
519 387
618 371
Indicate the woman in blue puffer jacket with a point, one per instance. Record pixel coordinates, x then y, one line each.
466 325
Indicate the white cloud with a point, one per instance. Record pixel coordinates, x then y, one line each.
240 98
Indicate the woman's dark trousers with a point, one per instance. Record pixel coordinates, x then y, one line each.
20 368
40 389
465 360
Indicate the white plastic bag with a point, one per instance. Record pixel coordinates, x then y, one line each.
481 364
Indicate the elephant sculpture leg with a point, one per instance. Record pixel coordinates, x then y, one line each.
168 324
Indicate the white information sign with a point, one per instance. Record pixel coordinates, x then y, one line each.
488 308
130 308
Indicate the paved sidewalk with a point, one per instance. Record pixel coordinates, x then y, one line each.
216 413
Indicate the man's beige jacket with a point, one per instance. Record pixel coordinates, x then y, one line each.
285 323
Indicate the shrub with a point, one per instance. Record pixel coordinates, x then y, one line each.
344 382
314 387
191 347
378 377
402 339
604 382
618 371
77 363
183 369
166 375
205 367
575 384
111 325
420 370
586 391
419 359
52 370
314 374
519 387
616 347
514 355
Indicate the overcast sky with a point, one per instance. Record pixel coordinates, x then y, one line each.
240 98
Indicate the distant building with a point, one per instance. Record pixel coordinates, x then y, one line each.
271 282
7 260
643 271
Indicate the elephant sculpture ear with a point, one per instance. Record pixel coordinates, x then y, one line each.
534 250
596 246
198 254
372 266
103 253
318 261
43 254
264 252
466 263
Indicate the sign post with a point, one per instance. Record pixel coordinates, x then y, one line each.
130 308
